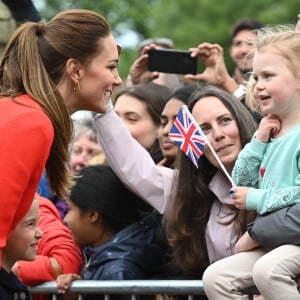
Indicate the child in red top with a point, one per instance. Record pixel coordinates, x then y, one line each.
22 243
57 252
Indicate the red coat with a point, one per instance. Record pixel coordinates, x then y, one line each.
26 136
56 242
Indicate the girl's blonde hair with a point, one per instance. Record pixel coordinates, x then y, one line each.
283 40
34 63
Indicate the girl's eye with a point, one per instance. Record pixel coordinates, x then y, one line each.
32 223
268 76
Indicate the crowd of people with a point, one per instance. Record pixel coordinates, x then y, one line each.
112 197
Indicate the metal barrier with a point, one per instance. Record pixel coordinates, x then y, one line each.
130 287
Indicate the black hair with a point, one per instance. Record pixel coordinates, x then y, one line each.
183 94
153 95
245 121
98 188
245 24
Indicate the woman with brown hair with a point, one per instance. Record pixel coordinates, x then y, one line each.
140 107
48 71
202 223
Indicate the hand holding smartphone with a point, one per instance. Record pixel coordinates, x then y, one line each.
172 61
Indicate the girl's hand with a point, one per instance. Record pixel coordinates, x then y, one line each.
269 126
64 281
239 195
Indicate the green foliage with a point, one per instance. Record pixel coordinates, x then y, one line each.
188 22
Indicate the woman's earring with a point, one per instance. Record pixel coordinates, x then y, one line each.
76 87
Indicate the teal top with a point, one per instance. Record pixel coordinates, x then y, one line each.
271 170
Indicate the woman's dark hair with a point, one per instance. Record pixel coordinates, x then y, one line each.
154 96
183 94
189 210
99 189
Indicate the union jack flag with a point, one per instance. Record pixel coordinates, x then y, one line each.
186 133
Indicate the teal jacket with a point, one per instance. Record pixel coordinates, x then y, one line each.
271 170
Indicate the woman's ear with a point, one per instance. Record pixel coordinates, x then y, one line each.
73 68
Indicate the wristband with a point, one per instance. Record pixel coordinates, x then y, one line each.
241 91
96 116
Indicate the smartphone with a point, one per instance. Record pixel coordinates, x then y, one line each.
172 61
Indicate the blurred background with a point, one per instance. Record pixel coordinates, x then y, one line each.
188 23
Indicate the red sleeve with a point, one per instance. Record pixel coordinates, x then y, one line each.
56 242
26 138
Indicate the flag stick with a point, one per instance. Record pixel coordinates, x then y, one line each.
211 148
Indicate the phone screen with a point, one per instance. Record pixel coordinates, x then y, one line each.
172 61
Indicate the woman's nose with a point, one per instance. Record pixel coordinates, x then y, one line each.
117 79
167 128
218 133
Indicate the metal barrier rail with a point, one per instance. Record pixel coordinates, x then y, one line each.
132 287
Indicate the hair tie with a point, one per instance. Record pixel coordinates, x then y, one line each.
40 28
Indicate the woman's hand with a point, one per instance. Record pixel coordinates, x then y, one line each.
139 70
215 71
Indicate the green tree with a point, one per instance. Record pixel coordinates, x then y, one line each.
188 23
